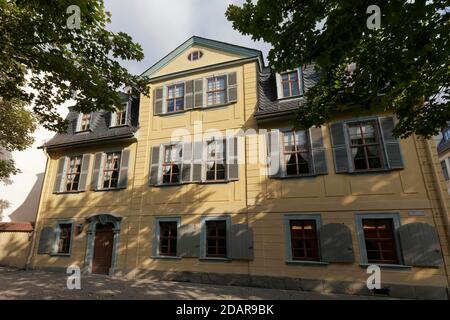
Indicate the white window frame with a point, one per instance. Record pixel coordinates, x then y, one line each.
101 179
280 94
205 160
162 149
127 107
58 235
282 159
205 91
79 119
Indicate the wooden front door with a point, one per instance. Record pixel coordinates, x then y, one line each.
103 248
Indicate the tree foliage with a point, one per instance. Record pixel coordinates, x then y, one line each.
403 67
44 60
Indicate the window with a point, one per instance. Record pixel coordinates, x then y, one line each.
296 152
171 164
379 238
290 84
168 238
195 55
446 134
445 170
85 120
64 235
175 97
215 160
365 145
304 242
111 170
217 88
120 116
73 173
216 238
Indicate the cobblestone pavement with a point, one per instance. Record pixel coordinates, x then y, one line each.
19 284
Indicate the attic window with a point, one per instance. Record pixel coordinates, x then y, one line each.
195 55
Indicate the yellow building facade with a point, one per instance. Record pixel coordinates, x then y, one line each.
206 181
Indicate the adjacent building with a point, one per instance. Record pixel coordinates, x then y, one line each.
206 180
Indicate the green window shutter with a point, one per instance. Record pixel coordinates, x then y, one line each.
186 169
273 153
420 245
96 171
232 87
46 240
158 100
232 158
336 243
84 172
154 166
123 173
188 242
241 242
394 158
189 94
198 161
340 149
318 151
198 93
58 187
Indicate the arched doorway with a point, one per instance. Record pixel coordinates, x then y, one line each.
102 243
103 248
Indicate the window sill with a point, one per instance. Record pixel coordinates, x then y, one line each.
297 97
119 126
212 259
374 171
385 266
307 263
166 257
297 177
83 131
109 189
60 254
195 108
69 192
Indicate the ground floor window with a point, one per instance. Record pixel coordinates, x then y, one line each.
168 238
216 238
64 238
380 241
304 241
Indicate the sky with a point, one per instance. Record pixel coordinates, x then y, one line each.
159 26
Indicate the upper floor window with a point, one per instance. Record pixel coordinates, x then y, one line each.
216 92
445 170
73 173
175 97
119 117
446 134
195 55
365 146
289 83
111 170
171 165
296 152
215 160
84 122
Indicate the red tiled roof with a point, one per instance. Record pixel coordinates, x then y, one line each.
16 227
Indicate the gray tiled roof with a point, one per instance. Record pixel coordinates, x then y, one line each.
99 128
269 105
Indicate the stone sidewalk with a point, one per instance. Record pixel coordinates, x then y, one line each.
36 285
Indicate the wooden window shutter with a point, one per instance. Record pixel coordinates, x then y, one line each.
188 242
273 153
158 100
318 151
340 148
241 242
279 86
96 171
113 119
154 166
336 243
300 80
394 158
198 93
128 113
420 245
232 158
232 87
186 169
60 173
84 172
123 173
198 161
46 240
78 127
189 94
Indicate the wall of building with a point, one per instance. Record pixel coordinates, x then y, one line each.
14 248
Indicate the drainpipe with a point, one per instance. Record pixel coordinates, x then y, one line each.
441 198
33 241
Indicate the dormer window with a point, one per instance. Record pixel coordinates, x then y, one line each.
289 84
119 118
84 122
195 55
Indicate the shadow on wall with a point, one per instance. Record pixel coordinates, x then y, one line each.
27 211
